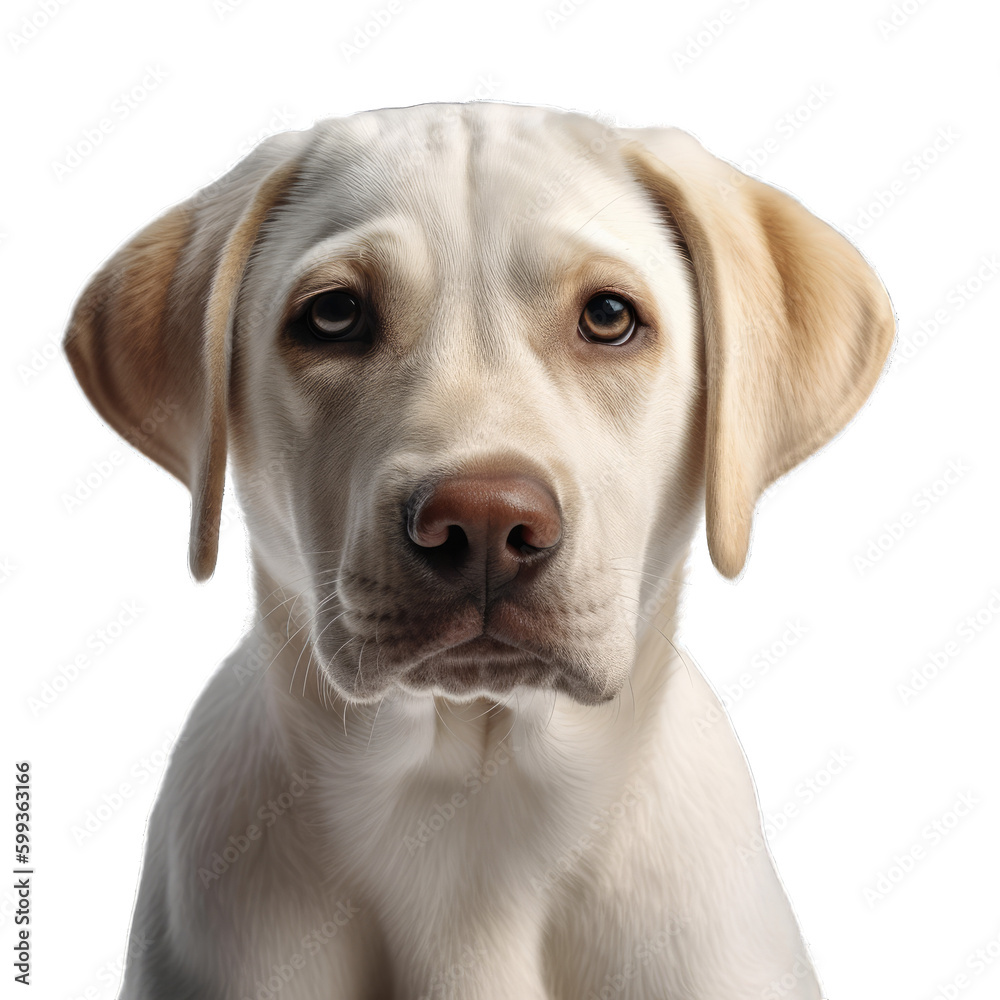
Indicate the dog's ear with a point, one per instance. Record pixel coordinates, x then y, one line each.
150 337
796 324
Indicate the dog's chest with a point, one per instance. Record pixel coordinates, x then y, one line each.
462 846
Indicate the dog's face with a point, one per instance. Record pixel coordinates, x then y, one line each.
476 366
479 402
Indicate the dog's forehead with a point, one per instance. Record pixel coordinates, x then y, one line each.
507 172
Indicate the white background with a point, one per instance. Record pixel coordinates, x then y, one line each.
227 74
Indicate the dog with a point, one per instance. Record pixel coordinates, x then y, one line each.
478 371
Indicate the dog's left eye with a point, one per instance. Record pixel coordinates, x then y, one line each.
607 319
336 316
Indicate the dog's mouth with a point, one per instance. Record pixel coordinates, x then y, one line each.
483 664
465 654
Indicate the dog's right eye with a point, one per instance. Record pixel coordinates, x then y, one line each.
336 316
607 319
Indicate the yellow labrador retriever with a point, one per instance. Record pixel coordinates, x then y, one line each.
479 369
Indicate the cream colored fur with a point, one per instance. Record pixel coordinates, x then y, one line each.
334 824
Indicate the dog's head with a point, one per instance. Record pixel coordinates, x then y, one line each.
480 369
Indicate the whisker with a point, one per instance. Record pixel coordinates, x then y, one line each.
493 706
322 578
552 712
308 645
618 709
670 643
663 635
258 680
372 733
632 693
305 676
437 711
656 577
357 676
514 718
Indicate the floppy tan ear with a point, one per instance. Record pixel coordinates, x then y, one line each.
149 338
796 325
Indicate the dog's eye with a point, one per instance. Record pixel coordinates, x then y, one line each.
336 316
607 319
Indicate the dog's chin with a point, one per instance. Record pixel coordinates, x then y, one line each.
481 667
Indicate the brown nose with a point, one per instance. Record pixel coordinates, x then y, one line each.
483 529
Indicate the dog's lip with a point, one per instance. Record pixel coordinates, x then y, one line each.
504 630
482 648
491 657
482 663
486 643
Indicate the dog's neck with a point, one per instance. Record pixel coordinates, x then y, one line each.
420 802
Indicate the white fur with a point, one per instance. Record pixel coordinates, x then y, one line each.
328 830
